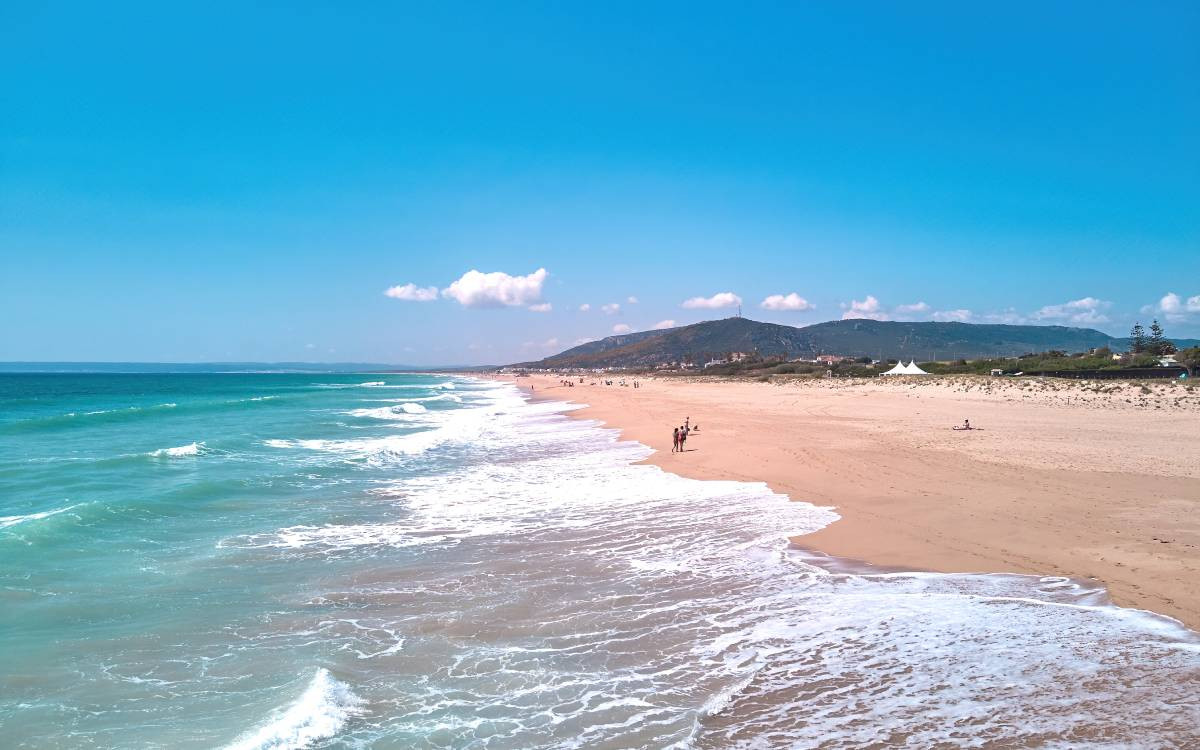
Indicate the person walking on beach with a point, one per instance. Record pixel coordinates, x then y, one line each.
675 441
682 438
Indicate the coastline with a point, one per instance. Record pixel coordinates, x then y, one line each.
1064 480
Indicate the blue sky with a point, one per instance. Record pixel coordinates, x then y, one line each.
213 182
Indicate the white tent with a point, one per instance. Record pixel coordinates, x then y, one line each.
902 369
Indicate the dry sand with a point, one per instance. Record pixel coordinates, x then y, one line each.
1095 480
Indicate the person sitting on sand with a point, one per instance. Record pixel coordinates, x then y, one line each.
966 425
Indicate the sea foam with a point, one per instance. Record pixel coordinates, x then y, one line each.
191 449
9 521
320 712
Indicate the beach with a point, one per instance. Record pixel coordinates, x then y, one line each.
1065 478
293 560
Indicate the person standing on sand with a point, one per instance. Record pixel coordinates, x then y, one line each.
682 438
675 441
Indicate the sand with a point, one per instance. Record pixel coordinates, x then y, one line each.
1092 480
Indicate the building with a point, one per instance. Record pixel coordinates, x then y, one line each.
831 359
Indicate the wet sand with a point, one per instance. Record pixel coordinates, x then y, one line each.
1083 480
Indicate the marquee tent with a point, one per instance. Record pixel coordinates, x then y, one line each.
903 369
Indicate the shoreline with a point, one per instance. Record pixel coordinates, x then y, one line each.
1080 491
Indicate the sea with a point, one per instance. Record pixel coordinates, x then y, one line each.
311 560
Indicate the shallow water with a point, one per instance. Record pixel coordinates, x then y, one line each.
273 561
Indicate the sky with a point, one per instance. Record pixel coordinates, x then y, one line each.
448 183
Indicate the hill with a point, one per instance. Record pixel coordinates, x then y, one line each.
855 338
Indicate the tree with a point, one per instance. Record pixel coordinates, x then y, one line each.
1159 344
1137 339
1190 358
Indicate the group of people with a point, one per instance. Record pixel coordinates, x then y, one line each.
680 435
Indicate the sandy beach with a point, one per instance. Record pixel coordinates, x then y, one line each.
1090 480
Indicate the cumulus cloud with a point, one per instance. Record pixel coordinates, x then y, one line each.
632 300
952 316
581 342
541 307
1085 310
621 328
868 308
916 307
611 308
791 301
412 293
585 307
1175 307
497 289
715 302
660 325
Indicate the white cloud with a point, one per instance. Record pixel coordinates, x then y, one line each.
952 316
542 307
1086 310
550 343
632 300
1174 307
621 328
581 342
916 307
791 301
868 308
664 324
413 293
497 289
585 307
1170 303
611 308
715 302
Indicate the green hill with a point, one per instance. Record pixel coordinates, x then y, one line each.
855 338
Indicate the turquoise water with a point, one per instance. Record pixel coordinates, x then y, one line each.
387 561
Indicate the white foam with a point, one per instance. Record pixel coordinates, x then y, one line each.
711 630
372 384
320 712
8 521
401 411
191 449
336 537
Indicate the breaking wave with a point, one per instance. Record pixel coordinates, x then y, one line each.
319 713
191 449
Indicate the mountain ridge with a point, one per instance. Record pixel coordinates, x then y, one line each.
924 341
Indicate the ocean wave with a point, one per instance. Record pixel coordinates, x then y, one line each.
191 449
338 537
319 713
424 399
401 411
78 418
460 425
10 521
372 384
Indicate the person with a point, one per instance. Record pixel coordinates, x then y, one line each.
682 438
675 441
